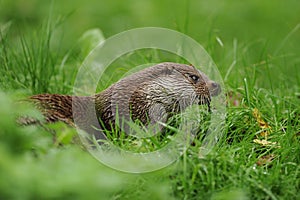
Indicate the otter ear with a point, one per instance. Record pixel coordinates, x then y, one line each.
191 65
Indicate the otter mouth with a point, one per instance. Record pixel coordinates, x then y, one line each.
214 90
205 100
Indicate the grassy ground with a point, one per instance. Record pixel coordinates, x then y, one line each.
255 46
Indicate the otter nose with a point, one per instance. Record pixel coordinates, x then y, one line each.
214 88
215 85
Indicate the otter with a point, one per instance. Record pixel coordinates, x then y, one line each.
150 95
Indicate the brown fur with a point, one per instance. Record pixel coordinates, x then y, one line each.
168 87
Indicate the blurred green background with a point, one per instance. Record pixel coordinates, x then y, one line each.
250 33
247 20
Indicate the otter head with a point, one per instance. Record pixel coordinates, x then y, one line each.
156 92
213 87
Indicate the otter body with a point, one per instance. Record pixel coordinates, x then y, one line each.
150 95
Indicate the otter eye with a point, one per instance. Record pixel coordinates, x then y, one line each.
194 78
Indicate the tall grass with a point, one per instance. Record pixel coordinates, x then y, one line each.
34 61
30 64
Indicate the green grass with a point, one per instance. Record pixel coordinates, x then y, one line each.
255 46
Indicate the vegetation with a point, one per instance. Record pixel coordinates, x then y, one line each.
253 43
